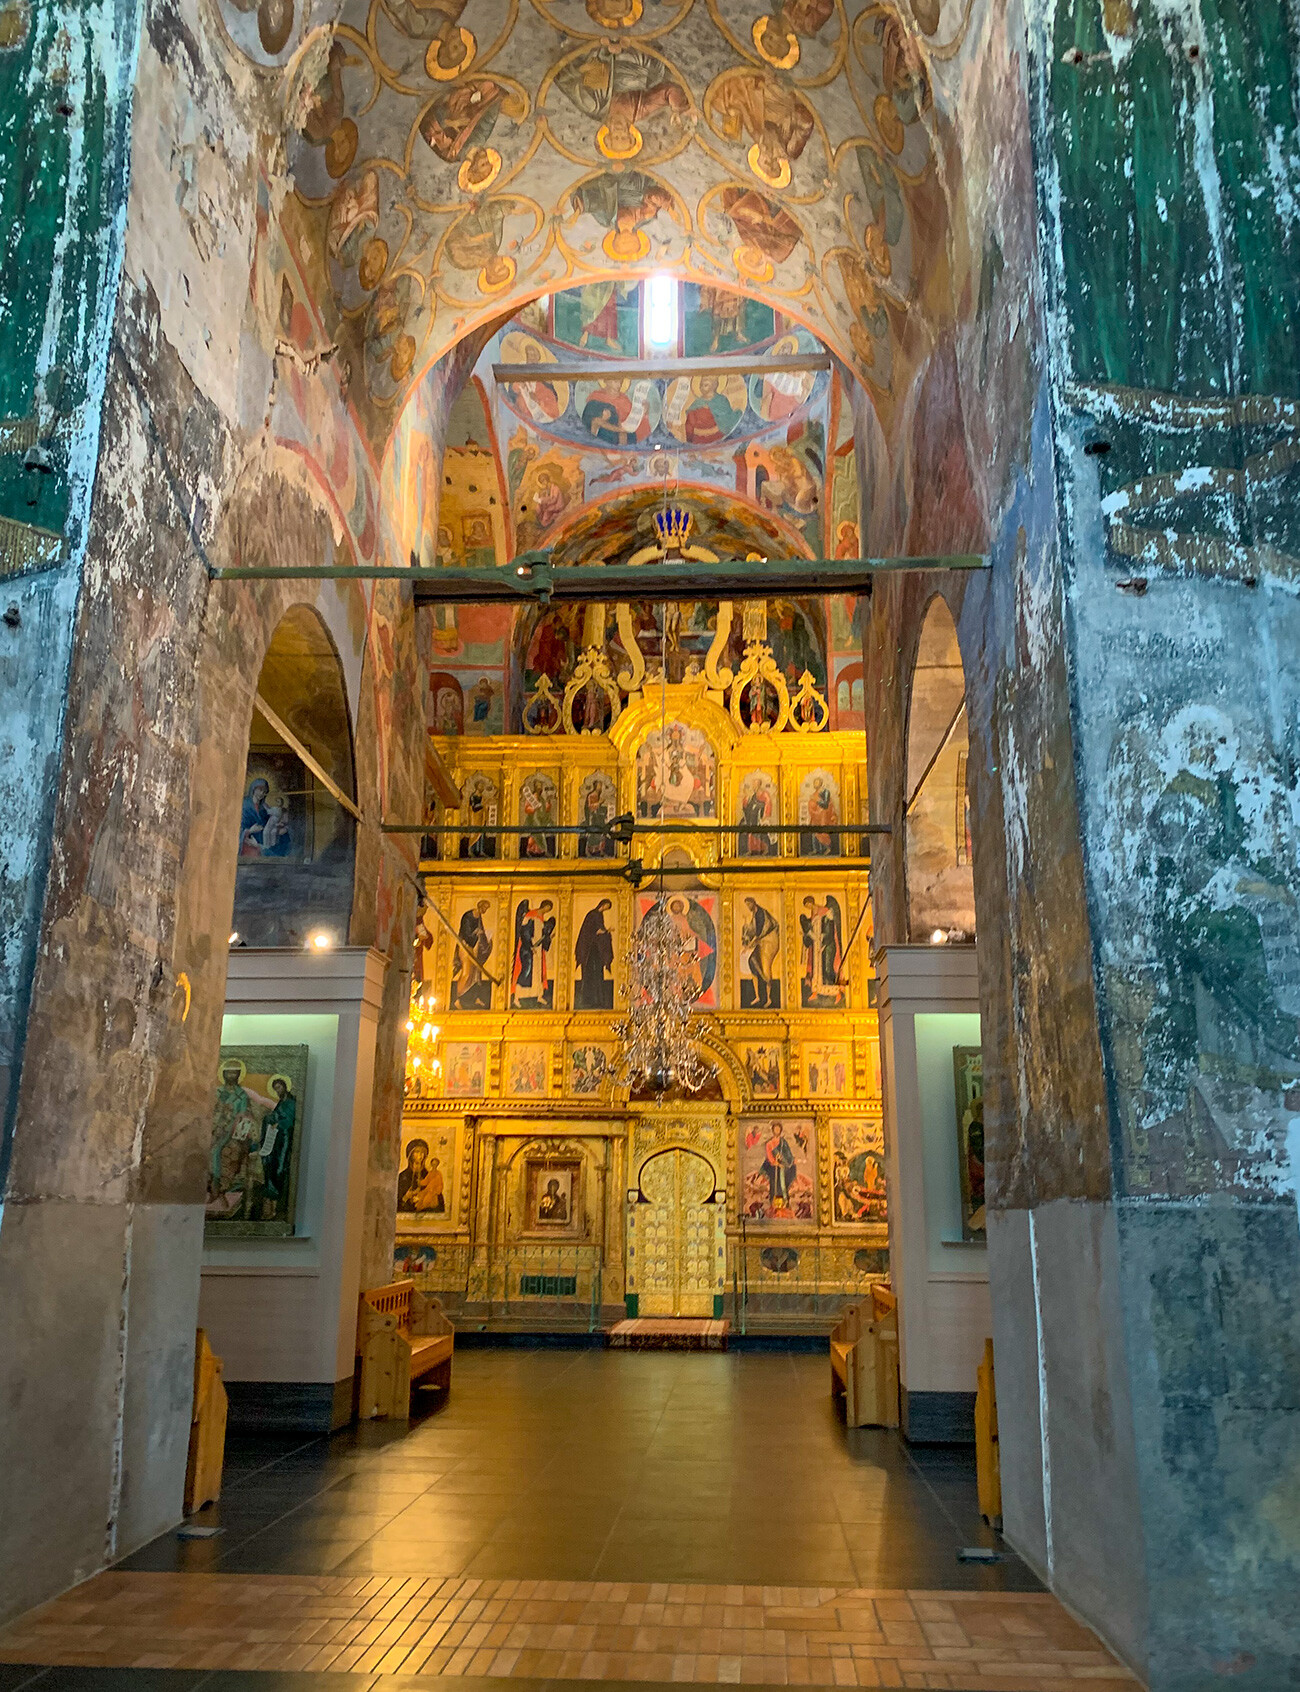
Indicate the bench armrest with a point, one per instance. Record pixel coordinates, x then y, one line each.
427 1316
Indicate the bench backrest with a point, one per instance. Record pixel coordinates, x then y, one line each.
392 1300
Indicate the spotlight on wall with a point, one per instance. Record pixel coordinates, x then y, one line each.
234 937
321 941
938 938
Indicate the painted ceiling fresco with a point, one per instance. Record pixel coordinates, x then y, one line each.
452 161
585 458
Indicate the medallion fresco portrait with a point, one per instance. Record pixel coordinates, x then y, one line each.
457 156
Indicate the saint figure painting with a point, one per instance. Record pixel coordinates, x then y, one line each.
777 1170
759 935
821 931
593 955
471 986
256 1130
532 985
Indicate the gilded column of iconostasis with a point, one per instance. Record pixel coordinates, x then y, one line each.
583 425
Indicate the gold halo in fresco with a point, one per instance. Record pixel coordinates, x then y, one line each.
479 171
626 246
341 149
889 123
374 262
497 274
231 1063
753 264
766 31
612 152
403 357
441 72
615 14
782 177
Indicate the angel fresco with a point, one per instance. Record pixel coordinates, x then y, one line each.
622 204
821 933
778 121
625 92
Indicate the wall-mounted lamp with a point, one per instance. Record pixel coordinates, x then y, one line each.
321 941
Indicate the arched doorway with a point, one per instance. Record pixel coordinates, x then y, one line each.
675 1236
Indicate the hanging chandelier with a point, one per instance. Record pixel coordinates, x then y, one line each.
660 1034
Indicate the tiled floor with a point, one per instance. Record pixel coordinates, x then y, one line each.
617 1472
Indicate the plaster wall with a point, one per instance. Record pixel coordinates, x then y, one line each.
928 1004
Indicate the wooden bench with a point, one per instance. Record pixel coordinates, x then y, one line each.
988 1453
207 1428
864 1361
402 1337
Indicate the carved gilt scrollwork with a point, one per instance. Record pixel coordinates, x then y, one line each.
809 712
591 672
542 712
719 679
630 680
757 674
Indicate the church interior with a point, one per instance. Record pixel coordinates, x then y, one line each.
650 984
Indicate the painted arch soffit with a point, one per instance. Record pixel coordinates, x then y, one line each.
451 162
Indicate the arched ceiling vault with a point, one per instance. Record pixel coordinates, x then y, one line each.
451 162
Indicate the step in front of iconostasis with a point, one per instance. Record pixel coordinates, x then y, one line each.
669 1333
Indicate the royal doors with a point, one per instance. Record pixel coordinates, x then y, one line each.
676 1237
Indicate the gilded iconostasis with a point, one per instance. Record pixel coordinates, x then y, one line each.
529 1171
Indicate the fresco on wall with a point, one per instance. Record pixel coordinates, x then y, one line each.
695 917
255 1150
763 1068
857 1171
532 978
594 926
275 819
758 803
821 952
472 964
757 916
719 320
446 704
428 1174
827 1069
676 774
539 811
778 1170
603 317
819 809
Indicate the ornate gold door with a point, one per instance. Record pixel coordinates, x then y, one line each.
676 1236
